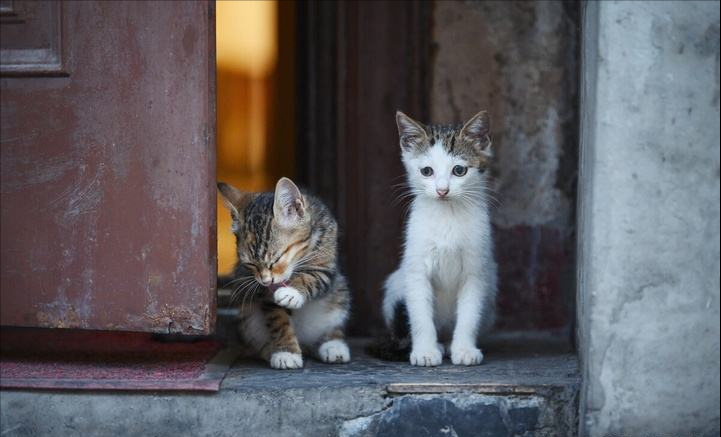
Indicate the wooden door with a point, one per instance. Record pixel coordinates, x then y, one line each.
108 165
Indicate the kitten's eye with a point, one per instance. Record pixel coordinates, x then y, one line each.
426 171
460 170
250 266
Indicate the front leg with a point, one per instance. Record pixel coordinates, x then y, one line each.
302 286
419 303
282 349
468 316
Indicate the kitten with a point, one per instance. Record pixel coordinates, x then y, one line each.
445 287
287 270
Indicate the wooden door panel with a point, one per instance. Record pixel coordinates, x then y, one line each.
31 42
108 172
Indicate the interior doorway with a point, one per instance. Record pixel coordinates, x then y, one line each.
256 97
330 93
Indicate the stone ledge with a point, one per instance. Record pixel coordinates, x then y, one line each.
525 387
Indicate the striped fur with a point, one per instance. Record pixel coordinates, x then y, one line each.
291 292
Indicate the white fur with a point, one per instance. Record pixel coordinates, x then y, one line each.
334 351
288 297
447 276
286 360
315 319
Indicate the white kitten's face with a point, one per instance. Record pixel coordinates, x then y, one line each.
446 162
440 175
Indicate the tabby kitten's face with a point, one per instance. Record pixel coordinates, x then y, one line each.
446 162
272 230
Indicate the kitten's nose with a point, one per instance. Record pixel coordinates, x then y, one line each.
443 192
266 278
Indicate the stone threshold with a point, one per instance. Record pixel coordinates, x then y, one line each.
527 385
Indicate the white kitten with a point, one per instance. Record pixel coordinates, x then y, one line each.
446 282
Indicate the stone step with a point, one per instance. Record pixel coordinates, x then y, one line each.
525 387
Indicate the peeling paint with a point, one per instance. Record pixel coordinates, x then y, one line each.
175 320
59 315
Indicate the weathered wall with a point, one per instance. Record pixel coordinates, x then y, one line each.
518 60
649 219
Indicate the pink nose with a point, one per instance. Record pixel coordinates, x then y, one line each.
442 192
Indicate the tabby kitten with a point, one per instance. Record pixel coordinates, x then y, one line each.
445 287
294 294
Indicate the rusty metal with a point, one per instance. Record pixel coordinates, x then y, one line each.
108 173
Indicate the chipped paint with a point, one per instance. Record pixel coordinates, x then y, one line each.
59 315
176 320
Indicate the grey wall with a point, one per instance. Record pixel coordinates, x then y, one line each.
649 219
519 61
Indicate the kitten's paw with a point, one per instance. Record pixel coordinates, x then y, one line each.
289 297
466 356
431 356
286 360
334 351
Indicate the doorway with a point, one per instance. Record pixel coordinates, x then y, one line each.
256 101
445 61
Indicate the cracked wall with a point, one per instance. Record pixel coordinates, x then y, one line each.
649 219
518 60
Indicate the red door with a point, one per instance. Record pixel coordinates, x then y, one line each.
108 165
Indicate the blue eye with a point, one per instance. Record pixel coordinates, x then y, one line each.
460 170
426 171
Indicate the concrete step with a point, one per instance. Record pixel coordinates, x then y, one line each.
525 387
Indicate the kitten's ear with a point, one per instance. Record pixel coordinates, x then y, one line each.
289 204
411 133
477 131
233 198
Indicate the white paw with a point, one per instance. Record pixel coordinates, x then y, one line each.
431 356
286 360
334 351
289 297
466 356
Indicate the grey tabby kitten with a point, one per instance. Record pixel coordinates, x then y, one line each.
287 263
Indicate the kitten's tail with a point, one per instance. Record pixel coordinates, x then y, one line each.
395 346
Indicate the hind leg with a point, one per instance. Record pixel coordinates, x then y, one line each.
333 348
320 325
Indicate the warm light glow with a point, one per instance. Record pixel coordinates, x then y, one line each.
246 36
247 52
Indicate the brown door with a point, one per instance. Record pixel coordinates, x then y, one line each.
108 165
